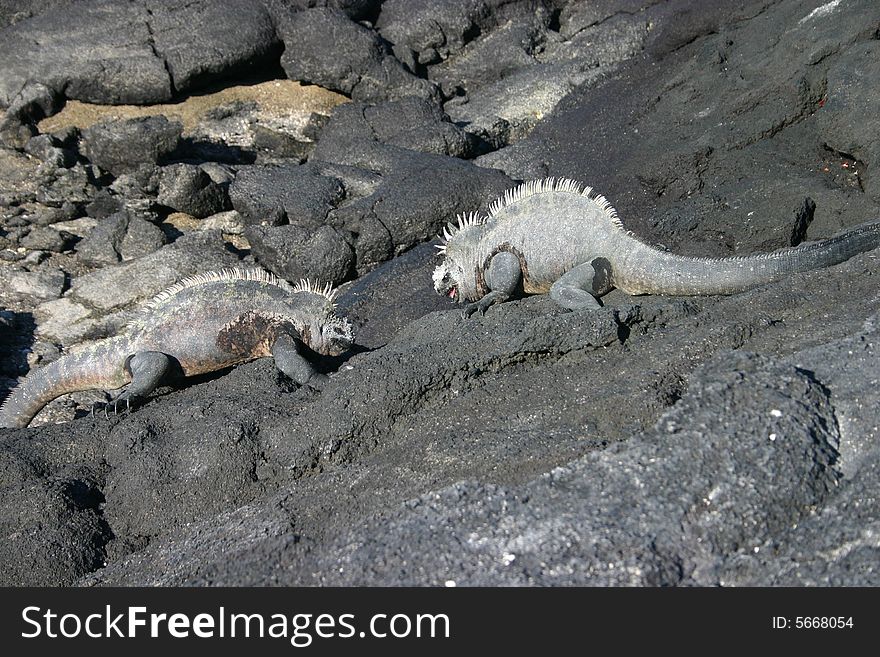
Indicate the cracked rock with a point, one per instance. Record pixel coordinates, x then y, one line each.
187 188
120 237
413 123
158 48
323 46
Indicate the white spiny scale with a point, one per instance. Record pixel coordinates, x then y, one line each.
567 185
469 219
307 285
226 274
462 222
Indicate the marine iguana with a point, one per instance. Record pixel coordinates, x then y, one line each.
201 324
559 236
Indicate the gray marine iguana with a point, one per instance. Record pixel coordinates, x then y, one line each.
559 236
201 324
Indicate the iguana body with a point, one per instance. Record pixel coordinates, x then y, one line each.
201 324
560 237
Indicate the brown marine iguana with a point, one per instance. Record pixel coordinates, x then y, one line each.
558 236
201 324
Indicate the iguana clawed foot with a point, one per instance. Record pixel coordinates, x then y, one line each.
481 306
477 307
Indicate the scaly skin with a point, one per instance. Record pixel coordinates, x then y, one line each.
558 236
202 324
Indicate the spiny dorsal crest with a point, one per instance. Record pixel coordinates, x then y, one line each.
464 221
227 274
542 186
308 285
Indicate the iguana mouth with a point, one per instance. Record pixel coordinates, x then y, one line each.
452 293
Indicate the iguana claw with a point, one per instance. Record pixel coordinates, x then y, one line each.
471 309
115 403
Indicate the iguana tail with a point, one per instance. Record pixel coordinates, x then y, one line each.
693 276
100 366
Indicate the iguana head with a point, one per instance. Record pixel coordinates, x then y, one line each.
322 329
456 276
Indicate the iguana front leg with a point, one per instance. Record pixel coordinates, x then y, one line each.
147 369
285 351
578 288
502 277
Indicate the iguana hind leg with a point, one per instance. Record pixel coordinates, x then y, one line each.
502 277
578 288
285 351
147 369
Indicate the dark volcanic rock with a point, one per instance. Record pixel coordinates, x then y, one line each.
44 284
849 95
325 47
356 10
18 179
47 149
104 205
76 63
506 111
661 135
63 188
834 547
272 195
142 277
152 469
203 40
53 529
15 133
436 30
418 195
391 296
413 123
35 556
295 252
111 52
187 188
504 50
120 237
45 238
13 11
756 443
122 145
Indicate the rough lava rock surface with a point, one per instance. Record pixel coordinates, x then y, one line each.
657 441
